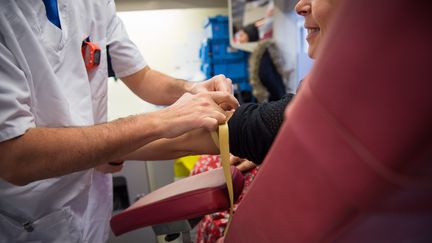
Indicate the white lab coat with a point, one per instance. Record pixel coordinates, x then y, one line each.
44 83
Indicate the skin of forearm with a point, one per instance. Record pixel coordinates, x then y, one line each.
155 87
49 152
195 142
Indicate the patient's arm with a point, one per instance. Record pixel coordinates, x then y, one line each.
196 142
252 129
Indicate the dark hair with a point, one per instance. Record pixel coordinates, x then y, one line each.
252 32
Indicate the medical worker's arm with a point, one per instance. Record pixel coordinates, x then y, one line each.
252 130
150 85
42 153
195 142
192 143
161 89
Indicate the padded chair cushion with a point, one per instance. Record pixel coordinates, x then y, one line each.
187 198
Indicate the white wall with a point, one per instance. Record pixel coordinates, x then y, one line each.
169 41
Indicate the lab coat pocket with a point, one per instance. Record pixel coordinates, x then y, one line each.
54 40
98 78
59 226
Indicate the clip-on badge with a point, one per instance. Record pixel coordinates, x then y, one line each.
91 53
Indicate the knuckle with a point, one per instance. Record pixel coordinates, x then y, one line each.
204 103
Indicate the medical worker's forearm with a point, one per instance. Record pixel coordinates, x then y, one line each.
155 87
49 152
192 143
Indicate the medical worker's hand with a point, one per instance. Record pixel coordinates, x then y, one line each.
190 112
242 164
110 167
217 83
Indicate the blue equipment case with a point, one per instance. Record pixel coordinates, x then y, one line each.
218 57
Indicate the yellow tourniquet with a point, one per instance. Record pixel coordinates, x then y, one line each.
222 142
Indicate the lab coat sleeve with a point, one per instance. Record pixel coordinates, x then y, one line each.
15 98
126 59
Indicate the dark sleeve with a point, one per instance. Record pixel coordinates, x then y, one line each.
253 127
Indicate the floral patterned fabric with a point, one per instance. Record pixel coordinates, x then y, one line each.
212 226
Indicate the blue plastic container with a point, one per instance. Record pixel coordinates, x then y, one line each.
216 55
205 52
217 27
231 70
221 51
207 69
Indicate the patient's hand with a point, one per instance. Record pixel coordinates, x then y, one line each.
242 164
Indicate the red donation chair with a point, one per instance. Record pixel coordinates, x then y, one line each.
353 159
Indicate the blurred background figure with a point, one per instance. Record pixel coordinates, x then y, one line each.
249 33
267 73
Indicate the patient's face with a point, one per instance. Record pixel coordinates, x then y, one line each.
317 14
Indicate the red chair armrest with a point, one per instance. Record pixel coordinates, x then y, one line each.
184 199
